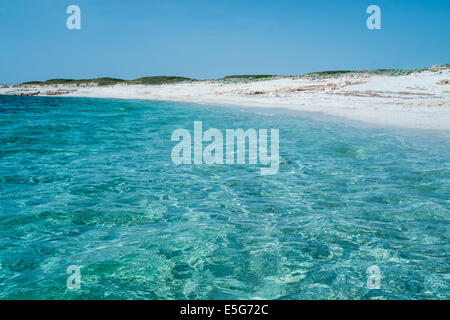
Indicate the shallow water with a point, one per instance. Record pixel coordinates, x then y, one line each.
90 182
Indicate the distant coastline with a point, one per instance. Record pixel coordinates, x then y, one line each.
416 98
155 80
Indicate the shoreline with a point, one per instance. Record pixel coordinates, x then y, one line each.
419 100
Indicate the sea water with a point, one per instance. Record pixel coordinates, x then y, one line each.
90 183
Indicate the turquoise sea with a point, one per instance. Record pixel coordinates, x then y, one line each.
90 182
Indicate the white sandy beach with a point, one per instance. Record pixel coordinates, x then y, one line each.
419 100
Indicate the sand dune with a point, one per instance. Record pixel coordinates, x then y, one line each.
418 100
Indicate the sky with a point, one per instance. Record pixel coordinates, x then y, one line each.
210 38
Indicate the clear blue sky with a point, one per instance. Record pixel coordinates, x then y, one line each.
212 38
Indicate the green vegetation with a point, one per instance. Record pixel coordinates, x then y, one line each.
247 78
111 81
159 80
108 81
33 82
331 73
328 74
395 72
62 81
384 72
98 81
58 82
